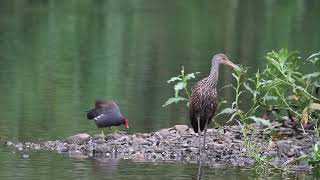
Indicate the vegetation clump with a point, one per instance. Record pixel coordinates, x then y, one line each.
280 88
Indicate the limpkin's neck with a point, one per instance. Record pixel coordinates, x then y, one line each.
213 77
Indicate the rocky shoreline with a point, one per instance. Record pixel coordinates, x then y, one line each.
180 143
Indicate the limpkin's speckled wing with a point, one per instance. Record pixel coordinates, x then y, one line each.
203 103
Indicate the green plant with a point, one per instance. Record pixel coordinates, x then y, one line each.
245 117
181 85
283 85
314 159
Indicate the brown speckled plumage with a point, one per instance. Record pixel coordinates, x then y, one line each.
204 97
203 103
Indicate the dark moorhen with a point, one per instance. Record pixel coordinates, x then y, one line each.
106 114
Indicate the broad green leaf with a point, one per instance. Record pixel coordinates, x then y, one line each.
313 57
311 75
315 106
270 98
227 111
191 75
316 84
178 87
174 79
174 100
261 121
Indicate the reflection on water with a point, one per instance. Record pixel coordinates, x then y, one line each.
57 57
50 165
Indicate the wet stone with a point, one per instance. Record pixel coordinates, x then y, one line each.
113 136
78 138
25 156
181 129
157 135
9 143
19 146
164 133
139 141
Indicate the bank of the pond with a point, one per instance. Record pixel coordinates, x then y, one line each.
180 143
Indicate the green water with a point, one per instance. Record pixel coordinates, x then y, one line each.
57 57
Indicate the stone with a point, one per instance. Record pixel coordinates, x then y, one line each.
25 156
78 138
184 145
19 146
102 149
157 135
283 146
164 133
139 141
114 136
191 131
9 143
36 146
181 129
99 136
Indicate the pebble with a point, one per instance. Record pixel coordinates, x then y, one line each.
181 129
78 138
139 141
25 156
9 143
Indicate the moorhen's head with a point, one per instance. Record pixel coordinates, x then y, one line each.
223 59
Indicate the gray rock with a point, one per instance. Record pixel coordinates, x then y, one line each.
25 156
78 138
19 146
9 143
164 133
191 131
158 136
181 129
99 136
36 146
114 136
283 146
139 141
102 149
184 145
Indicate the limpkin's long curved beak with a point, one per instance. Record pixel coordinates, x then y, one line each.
229 63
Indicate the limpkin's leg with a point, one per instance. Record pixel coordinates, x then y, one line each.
199 134
102 133
204 134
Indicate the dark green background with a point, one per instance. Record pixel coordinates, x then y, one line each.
57 57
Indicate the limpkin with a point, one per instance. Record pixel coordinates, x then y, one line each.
106 113
204 98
